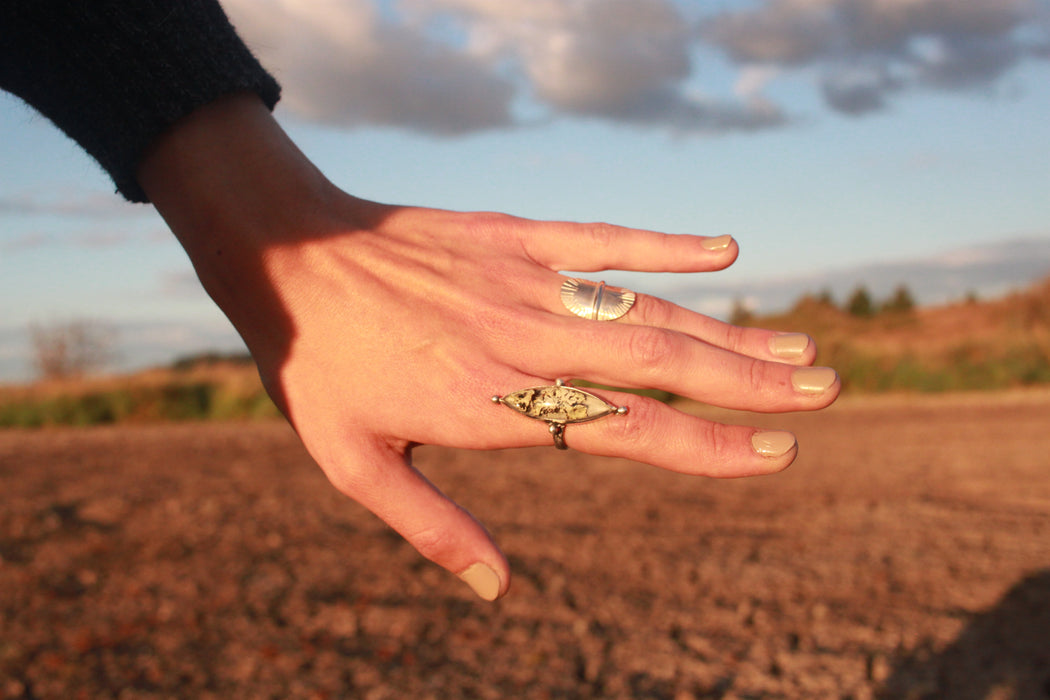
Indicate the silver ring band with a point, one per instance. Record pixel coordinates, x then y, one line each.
596 301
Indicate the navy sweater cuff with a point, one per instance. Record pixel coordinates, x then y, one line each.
115 74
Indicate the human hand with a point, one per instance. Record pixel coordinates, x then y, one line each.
377 328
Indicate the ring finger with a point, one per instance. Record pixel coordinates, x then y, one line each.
652 432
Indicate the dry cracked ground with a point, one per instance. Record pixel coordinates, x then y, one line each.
905 555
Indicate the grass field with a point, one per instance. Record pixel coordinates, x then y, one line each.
210 391
968 346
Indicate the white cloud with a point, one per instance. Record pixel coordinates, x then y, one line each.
448 67
858 89
867 50
341 62
583 57
26 242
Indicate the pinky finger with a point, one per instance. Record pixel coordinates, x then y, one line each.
654 433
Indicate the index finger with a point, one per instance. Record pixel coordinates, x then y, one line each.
599 246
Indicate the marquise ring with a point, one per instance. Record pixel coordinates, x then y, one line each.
558 406
596 300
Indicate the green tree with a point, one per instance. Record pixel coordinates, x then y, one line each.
901 302
741 315
860 303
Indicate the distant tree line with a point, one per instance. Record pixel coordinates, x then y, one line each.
860 304
209 358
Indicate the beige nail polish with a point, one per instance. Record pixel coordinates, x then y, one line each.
773 443
483 580
813 380
789 346
718 243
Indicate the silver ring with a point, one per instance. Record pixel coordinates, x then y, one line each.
596 301
558 406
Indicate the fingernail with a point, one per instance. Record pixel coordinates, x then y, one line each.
718 243
813 380
483 580
773 443
789 346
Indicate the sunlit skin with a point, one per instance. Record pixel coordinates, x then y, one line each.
378 327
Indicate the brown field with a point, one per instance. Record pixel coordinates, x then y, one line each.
905 555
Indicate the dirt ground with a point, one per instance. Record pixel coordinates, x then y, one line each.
906 554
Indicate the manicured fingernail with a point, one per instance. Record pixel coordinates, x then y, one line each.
483 580
813 380
718 243
773 443
789 346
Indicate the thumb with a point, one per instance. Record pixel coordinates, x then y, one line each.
383 480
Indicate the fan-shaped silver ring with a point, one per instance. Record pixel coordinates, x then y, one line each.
596 300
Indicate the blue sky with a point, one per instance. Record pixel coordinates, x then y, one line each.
840 141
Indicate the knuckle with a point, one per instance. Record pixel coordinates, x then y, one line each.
506 333
500 320
602 234
652 311
734 338
650 348
487 222
636 430
349 482
757 377
435 543
718 445
491 228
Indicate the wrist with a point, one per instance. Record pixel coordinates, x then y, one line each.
233 187
228 171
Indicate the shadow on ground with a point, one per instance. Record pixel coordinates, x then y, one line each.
1002 653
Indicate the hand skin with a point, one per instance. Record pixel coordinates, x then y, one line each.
376 328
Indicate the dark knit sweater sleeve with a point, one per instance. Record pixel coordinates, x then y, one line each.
114 74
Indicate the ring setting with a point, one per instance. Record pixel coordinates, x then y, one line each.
596 301
558 406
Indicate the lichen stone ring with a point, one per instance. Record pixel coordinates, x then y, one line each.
596 301
558 406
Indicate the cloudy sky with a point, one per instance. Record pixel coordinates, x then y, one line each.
840 141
